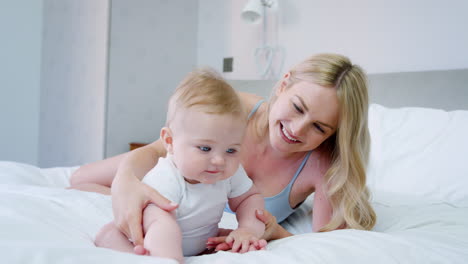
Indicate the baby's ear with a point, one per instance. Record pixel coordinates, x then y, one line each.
166 136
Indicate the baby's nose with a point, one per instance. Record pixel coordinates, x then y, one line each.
217 160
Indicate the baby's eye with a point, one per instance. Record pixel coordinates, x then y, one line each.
204 148
231 151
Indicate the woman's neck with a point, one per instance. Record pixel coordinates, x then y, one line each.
267 149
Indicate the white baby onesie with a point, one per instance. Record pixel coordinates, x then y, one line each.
201 205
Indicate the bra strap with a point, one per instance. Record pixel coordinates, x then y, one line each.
255 108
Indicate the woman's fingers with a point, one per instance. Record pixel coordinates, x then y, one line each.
264 216
160 200
223 246
270 223
136 229
216 240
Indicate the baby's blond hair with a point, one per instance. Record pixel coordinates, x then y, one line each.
205 90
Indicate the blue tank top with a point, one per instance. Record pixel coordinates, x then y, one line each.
278 205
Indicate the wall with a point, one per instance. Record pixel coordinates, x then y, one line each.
73 86
153 44
444 89
381 36
20 57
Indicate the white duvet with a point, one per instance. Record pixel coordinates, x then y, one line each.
422 217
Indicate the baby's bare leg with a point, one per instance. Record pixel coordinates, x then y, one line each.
110 237
163 237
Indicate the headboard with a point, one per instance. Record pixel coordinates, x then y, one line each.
447 89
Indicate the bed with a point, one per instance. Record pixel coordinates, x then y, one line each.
418 175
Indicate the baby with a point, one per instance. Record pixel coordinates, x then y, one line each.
203 134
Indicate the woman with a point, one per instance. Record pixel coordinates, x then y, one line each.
311 137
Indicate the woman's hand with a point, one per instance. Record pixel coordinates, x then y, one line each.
243 240
272 228
219 242
272 231
129 197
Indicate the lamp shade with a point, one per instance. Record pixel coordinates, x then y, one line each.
253 11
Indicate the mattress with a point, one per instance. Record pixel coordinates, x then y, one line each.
43 222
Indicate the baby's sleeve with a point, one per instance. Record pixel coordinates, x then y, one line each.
165 180
239 183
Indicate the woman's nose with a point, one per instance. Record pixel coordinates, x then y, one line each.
298 128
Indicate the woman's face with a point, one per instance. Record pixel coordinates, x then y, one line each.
302 117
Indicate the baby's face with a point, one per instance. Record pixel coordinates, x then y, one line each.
206 147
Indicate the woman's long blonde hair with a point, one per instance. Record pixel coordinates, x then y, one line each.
346 177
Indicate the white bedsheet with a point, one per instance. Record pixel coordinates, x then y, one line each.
41 222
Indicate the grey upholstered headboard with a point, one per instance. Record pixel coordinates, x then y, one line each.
446 89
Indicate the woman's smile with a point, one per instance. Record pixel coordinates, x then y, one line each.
287 136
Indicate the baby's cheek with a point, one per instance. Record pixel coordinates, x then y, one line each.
232 170
191 167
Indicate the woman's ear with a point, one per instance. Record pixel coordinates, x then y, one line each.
283 83
166 136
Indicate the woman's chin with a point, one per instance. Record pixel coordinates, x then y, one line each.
279 145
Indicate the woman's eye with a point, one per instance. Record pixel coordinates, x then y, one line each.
298 109
205 149
319 128
231 151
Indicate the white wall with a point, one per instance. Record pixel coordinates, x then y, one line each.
55 109
153 45
20 57
156 42
213 35
381 36
73 87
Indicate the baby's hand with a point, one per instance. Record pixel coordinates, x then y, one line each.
243 240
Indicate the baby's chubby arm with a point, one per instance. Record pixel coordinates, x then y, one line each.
250 228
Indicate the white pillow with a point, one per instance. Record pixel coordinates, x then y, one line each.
419 151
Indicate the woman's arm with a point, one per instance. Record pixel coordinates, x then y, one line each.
322 212
140 161
130 196
321 208
100 172
103 172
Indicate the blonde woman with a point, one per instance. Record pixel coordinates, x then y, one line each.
310 137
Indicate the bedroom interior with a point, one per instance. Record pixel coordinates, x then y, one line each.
83 79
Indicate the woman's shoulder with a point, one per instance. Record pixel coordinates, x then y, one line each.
249 100
318 164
